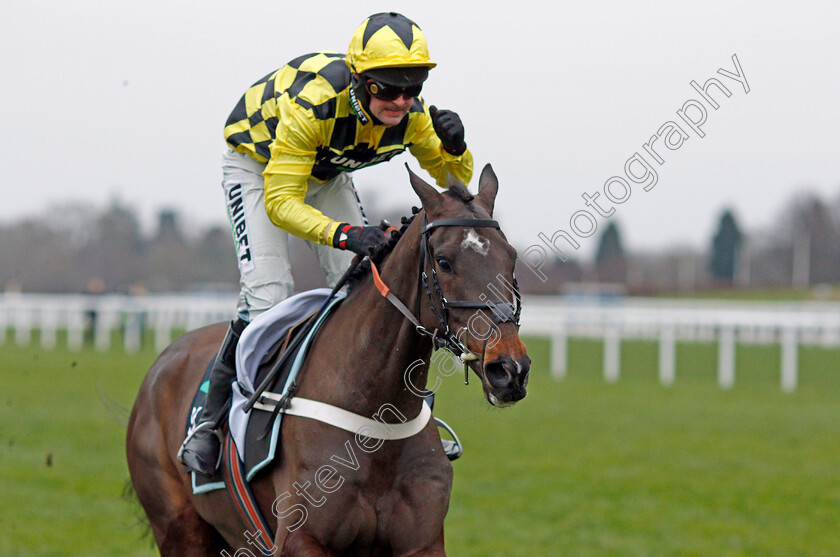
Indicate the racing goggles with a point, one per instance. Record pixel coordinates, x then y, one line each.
386 92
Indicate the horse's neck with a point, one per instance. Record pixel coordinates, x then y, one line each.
384 349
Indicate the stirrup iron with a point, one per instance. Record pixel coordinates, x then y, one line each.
201 427
453 449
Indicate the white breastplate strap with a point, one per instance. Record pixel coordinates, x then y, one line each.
349 421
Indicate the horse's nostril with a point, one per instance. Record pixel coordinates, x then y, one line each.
500 373
524 368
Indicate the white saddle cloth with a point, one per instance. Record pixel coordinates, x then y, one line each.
257 338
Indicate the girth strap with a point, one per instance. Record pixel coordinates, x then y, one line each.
348 421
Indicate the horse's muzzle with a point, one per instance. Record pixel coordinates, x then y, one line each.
506 380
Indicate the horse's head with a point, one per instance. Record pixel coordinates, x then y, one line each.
472 293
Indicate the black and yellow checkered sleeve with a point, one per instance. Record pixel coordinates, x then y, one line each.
289 167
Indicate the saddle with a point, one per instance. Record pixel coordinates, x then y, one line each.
262 343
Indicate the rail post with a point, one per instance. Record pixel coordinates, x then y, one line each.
612 354
667 355
789 360
726 357
559 353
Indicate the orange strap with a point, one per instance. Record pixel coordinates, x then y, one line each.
381 286
391 297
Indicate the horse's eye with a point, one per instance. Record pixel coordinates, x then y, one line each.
444 265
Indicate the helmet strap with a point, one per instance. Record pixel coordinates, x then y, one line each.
360 100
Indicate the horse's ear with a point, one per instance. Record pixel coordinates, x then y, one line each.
488 187
428 195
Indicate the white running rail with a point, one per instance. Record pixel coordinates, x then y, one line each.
100 316
666 321
669 321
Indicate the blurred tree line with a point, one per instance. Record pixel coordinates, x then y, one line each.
82 249
801 249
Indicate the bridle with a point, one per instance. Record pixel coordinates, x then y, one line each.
444 336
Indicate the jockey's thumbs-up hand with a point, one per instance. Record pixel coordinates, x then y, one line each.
358 239
449 129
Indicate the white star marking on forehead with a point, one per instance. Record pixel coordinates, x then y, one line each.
475 242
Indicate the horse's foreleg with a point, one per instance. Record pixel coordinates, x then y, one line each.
304 545
188 535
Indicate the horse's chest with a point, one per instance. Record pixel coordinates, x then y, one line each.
395 506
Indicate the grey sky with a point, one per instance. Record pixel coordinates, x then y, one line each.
128 99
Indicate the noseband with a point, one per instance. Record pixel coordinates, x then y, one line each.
444 336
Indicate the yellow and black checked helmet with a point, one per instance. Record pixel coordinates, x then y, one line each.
388 40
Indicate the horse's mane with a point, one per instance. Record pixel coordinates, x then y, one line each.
381 252
456 191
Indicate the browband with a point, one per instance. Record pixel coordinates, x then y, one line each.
476 223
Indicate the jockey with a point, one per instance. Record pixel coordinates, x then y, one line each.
294 137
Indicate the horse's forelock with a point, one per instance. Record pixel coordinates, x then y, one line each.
459 192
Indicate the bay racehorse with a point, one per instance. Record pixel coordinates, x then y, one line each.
447 263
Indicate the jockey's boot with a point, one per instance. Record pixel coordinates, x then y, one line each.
201 450
452 449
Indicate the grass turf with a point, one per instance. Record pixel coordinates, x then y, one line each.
580 467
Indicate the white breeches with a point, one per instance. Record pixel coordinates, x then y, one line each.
263 248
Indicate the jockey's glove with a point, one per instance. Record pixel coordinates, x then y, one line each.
358 239
449 129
